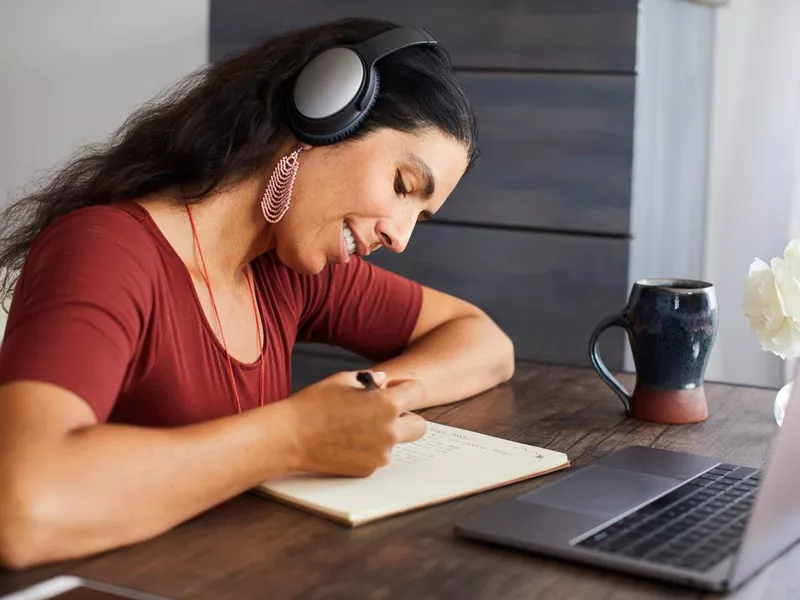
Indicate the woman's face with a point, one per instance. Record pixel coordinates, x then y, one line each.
351 199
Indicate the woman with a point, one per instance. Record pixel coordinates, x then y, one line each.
144 376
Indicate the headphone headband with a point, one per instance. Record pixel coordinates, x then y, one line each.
374 49
336 90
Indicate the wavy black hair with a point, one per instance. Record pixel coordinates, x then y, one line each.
224 122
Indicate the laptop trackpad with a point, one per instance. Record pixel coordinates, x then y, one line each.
601 491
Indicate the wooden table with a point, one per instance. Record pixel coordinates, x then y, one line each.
252 548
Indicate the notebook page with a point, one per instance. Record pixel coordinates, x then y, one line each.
446 463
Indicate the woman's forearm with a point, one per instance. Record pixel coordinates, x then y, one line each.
72 498
456 360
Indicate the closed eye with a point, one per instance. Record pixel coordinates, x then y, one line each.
425 215
399 185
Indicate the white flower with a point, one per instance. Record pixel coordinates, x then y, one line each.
772 302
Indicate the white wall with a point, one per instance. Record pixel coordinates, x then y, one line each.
752 176
670 163
72 71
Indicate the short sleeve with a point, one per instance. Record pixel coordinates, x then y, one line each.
81 306
361 307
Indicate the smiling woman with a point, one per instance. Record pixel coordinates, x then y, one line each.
165 277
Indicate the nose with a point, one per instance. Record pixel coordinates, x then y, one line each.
393 237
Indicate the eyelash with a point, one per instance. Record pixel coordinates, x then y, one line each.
399 186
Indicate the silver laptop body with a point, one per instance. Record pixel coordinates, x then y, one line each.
586 515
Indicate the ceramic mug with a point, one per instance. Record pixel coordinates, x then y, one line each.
671 326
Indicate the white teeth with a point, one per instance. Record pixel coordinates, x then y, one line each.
349 239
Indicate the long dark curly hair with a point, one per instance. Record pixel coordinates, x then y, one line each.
224 122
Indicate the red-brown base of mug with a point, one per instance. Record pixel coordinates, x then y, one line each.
670 406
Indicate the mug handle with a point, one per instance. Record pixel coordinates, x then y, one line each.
605 374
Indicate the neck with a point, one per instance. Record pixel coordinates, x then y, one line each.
231 229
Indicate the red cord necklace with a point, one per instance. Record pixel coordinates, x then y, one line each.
219 321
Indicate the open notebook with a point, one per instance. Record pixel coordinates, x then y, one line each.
446 463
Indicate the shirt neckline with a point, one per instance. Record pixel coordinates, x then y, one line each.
187 278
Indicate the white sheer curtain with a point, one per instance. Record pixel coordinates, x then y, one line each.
791 366
753 197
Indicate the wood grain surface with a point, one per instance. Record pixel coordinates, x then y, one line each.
253 548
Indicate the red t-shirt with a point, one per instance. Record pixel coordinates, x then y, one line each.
105 308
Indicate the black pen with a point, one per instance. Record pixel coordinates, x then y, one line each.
365 379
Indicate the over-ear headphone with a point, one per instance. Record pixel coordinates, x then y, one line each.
337 88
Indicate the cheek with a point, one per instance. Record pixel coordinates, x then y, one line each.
375 199
365 188
356 197
375 208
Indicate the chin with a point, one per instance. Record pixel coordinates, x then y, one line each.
304 265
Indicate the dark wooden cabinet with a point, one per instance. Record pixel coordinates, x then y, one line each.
545 290
524 35
538 235
556 152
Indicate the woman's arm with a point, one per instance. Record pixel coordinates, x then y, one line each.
71 487
455 351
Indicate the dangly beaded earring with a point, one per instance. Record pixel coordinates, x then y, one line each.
278 194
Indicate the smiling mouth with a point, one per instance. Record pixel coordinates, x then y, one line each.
351 242
349 238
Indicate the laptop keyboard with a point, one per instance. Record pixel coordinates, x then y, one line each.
693 527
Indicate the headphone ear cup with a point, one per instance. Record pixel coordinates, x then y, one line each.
372 90
345 132
324 106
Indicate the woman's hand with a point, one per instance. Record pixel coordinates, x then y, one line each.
344 429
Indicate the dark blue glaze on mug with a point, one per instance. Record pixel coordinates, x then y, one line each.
671 326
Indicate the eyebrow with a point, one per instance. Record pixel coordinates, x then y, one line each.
429 184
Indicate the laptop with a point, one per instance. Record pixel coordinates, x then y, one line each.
667 515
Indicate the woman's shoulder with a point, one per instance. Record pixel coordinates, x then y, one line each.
108 235
125 218
123 224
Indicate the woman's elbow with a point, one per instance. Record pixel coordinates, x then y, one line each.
14 555
21 533
503 361
506 360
